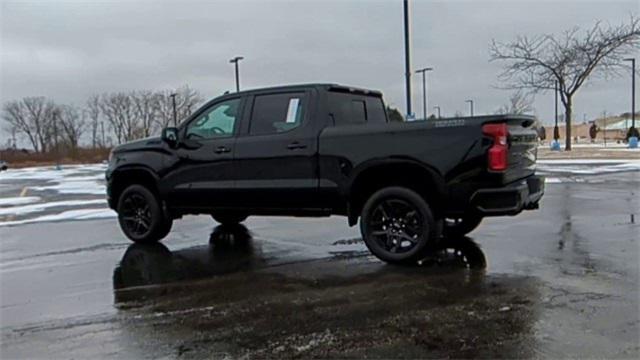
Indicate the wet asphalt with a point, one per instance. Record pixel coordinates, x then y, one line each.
562 281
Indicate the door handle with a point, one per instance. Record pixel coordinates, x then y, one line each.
222 149
296 145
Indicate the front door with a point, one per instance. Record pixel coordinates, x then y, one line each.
276 164
203 176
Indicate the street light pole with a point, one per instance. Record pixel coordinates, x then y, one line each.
407 56
633 92
437 108
556 131
175 112
470 105
424 90
235 61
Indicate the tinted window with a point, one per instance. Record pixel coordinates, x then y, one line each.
375 110
217 121
358 111
276 113
350 109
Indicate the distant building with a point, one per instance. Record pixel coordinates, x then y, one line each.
614 128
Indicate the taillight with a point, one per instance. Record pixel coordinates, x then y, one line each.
497 155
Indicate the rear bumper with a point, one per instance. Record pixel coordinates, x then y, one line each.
509 200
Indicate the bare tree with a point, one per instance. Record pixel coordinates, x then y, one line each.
187 101
17 118
536 63
71 124
145 103
32 117
93 114
519 103
119 110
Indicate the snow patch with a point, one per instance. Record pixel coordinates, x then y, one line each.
18 200
75 187
21 210
82 214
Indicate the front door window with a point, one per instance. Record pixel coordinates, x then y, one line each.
217 121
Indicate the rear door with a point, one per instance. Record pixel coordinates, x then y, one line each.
276 164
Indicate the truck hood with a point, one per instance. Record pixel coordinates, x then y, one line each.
142 144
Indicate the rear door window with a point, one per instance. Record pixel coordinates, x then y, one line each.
276 113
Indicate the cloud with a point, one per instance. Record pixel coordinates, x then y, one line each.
70 49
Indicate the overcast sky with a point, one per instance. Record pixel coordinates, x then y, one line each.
68 50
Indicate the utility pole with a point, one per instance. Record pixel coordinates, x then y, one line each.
424 90
55 138
604 114
104 143
407 56
437 108
633 92
235 61
470 105
175 113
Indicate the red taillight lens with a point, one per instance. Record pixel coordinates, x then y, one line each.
497 155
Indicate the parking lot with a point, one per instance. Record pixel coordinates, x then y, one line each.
558 282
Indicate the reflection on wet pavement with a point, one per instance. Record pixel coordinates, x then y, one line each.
232 249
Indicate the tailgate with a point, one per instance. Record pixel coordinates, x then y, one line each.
523 148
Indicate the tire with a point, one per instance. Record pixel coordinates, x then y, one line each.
397 226
454 228
229 218
141 216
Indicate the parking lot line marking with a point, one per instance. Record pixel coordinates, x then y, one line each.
24 191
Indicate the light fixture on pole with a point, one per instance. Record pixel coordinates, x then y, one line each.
633 92
424 89
556 131
407 57
470 106
235 61
175 113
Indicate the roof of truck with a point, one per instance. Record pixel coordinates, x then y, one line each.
327 86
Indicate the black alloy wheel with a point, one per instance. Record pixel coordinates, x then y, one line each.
397 225
136 214
140 215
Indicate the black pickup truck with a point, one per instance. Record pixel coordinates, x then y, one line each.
325 149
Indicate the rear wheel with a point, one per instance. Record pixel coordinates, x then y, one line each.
457 227
141 217
230 218
397 225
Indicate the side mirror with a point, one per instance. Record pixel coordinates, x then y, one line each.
170 136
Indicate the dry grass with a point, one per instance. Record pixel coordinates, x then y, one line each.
19 159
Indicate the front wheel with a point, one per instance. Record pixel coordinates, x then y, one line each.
397 225
141 217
